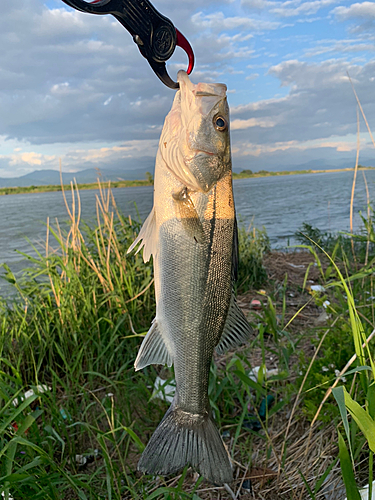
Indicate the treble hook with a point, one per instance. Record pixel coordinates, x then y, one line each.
154 34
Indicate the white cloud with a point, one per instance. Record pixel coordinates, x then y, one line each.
301 75
218 22
363 10
251 122
74 85
318 113
253 76
289 8
340 46
30 158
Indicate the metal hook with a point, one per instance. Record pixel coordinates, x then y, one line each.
154 33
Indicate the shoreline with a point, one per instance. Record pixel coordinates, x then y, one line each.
245 174
265 173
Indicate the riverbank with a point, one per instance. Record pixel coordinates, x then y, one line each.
245 174
82 187
248 174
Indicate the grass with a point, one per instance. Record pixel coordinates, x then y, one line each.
71 330
73 324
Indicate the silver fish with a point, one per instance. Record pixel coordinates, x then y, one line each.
192 234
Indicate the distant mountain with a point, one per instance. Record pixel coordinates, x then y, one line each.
146 164
47 177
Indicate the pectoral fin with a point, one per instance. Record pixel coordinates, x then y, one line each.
153 350
189 216
149 237
237 330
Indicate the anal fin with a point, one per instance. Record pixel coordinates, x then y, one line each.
237 330
153 350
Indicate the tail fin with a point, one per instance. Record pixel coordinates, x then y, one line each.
184 438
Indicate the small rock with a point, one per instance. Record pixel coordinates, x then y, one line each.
322 318
81 460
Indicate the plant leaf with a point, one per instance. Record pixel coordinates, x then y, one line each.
339 395
347 471
363 419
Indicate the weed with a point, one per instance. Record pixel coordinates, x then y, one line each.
253 243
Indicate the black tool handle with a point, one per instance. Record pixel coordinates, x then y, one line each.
154 33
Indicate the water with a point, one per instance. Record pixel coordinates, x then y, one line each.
280 204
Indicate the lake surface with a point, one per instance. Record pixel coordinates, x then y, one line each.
280 204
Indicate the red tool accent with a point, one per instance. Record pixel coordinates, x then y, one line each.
184 44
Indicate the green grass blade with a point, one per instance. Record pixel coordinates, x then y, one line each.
347 471
309 490
17 411
363 419
250 383
338 393
323 477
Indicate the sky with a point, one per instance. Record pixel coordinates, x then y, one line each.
74 87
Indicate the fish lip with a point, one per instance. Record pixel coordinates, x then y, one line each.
205 153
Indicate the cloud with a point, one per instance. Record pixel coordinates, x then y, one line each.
251 122
364 10
55 78
363 13
125 156
340 46
25 162
289 8
301 75
218 22
319 105
31 158
74 86
339 145
253 76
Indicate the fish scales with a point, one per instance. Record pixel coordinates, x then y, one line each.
191 233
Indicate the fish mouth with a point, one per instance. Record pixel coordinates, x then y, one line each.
200 152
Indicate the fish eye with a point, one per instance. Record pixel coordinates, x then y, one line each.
220 123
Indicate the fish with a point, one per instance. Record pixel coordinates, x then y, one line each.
191 234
